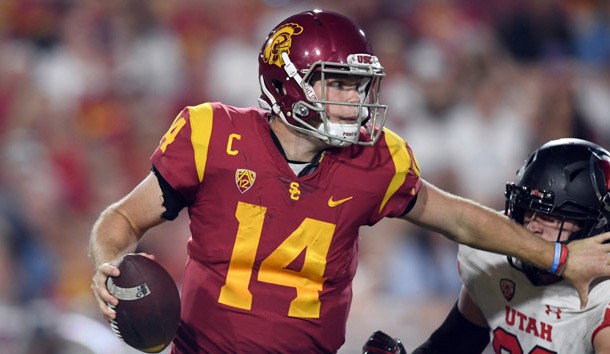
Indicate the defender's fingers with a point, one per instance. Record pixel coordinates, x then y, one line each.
602 238
583 294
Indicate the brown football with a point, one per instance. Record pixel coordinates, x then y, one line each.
148 311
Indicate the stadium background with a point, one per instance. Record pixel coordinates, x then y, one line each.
87 88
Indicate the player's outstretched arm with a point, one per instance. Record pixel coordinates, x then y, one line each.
117 232
469 223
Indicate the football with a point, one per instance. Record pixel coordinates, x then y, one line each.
148 311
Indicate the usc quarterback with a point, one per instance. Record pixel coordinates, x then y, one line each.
275 196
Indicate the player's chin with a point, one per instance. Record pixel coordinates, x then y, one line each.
349 117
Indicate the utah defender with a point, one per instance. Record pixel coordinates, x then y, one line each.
561 194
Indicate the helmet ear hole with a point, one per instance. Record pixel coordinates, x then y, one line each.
279 87
604 166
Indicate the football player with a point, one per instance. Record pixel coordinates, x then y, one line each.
560 194
276 196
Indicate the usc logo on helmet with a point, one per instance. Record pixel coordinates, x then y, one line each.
280 42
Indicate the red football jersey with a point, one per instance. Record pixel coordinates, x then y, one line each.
272 256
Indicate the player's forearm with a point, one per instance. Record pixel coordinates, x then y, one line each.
112 236
470 223
486 229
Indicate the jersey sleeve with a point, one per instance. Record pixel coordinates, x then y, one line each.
604 324
182 152
405 182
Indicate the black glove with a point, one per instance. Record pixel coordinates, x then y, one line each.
381 343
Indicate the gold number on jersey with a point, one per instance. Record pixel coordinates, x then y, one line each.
235 291
312 237
170 136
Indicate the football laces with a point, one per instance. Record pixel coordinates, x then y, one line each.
114 325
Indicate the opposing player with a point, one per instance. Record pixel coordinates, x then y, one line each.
560 194
276 197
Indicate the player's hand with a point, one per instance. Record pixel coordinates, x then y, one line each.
589 259
381 343
100 292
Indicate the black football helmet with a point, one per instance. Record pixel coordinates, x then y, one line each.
310 46
568 179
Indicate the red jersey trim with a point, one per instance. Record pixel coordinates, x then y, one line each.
605 323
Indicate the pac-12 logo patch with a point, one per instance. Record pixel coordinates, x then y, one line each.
244 179
280 42
507 287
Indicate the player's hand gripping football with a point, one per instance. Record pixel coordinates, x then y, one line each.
588 260
381 343
101 293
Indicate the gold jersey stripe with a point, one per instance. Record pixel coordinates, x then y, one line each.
402 163
201 130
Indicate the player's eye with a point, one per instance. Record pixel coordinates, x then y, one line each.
543 219
343 84
336 84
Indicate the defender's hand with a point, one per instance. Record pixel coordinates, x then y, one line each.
588 260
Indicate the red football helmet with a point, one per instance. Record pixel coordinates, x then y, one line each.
313 45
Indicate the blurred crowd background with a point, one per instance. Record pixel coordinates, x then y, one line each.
87 89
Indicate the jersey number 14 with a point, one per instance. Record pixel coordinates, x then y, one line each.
312 235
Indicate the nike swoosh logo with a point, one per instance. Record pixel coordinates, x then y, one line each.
333 203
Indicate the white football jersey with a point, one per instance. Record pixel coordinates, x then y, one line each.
525 318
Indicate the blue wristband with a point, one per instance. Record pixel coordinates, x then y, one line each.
556 258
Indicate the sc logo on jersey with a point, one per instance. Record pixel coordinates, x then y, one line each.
295 192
